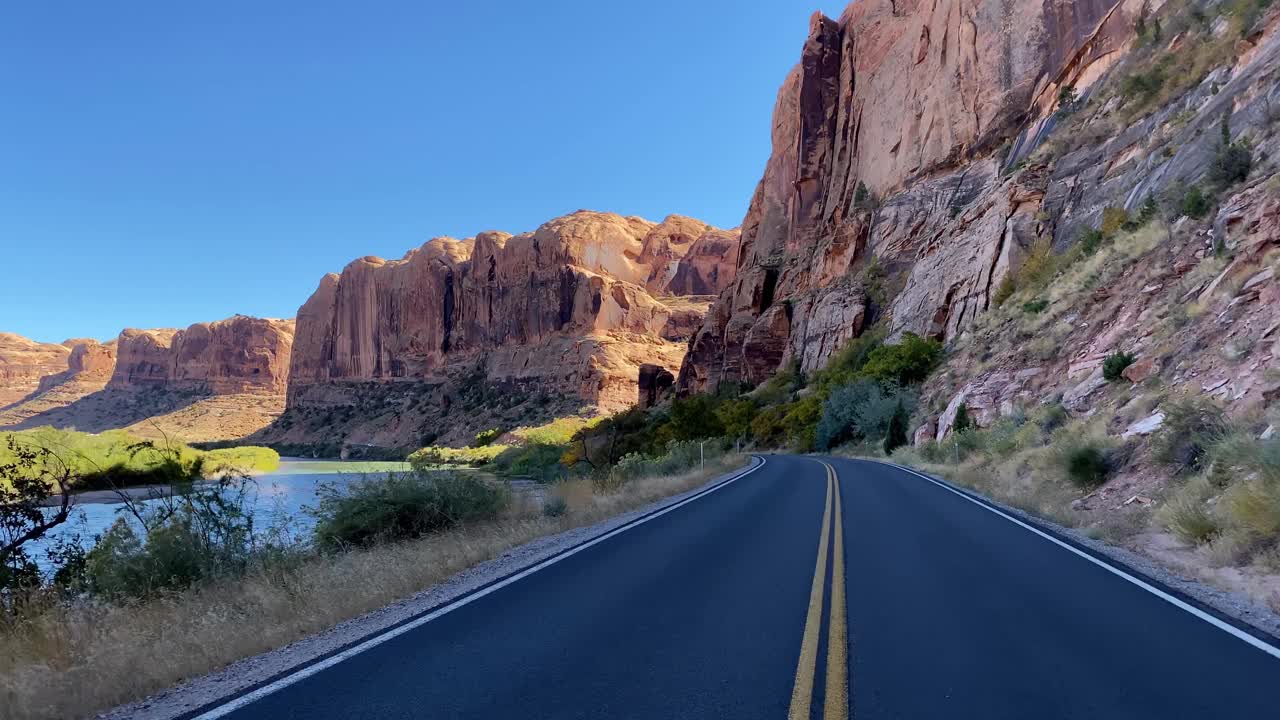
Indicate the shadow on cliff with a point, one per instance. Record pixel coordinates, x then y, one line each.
103 409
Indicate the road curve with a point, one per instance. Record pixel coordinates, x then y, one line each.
810 588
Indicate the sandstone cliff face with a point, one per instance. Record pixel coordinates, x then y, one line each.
889 143
23 362
238 355
212 381
576 306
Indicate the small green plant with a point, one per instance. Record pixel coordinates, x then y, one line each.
1115 363
897 434
1191 429
1195 204
962 421
1035 307
1091 240
1187 515
1084 462
402 506
485 437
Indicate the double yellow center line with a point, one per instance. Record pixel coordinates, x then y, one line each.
836 697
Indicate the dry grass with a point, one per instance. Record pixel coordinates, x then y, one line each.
71 661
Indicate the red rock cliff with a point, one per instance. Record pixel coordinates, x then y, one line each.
907 102
23 362
576 305
238 355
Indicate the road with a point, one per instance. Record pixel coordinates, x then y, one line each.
808 588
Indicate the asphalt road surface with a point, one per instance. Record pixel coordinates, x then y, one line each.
805 589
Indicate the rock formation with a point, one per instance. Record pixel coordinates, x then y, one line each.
889 141
573 308
212 381
23 362
238 355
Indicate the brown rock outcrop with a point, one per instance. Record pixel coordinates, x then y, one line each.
655 382
23 362
897 101
238 355
577 306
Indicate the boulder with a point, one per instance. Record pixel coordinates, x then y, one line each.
1141 369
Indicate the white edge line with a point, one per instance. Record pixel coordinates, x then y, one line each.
1258 643
306 672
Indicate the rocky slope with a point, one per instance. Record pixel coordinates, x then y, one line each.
499 328
1038 185
888 142
211 381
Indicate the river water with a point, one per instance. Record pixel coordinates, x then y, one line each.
276 499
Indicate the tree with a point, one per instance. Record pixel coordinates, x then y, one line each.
694 418
897 435
907 363
27 482
962 421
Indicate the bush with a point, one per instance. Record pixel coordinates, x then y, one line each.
1253 506
1187 515
1083 462
1231 165
694 418
1115 363
433 457
962 422
908 362
198 534
539 461
1035 307
858 411
402 506
896 437
1194 203
1192 428
485 437
1114 220
680 457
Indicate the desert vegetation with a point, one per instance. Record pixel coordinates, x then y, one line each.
96 630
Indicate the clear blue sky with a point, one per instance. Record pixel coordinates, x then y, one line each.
164 163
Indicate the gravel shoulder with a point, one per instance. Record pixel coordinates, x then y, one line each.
244 675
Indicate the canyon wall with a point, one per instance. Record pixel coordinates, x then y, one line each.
237 355
23 362
891 141
570 310
212 381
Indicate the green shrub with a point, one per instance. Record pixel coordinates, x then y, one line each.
433 457
1035 307
485 437
1253 505
1114 220
908 362
680 457
1115 363
1187 515
962 422
1191 429
1083 462
695 418
861 410
735 417
198 534
402 506
1090 241
1194 203
896 436
538 461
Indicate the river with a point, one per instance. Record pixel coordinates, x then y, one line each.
277 498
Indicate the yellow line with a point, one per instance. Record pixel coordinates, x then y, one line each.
802 692
836 700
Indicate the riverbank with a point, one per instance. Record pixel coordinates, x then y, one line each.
72 660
